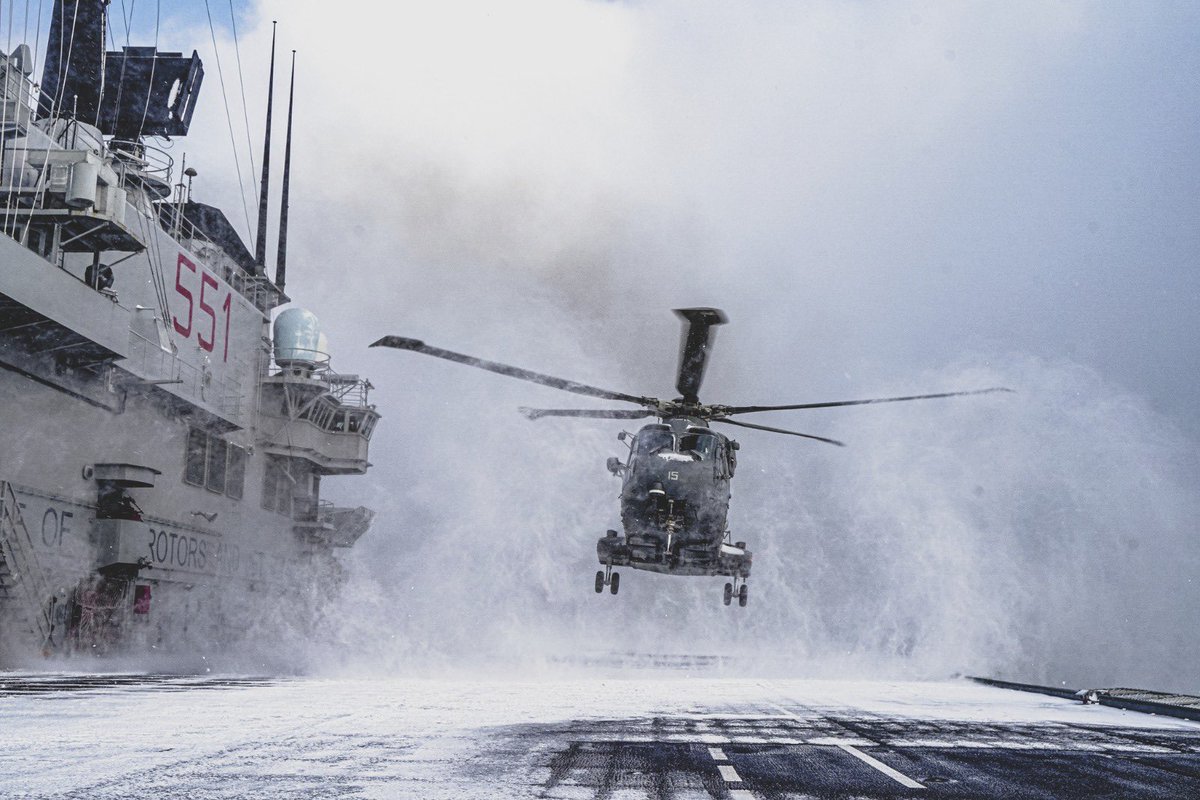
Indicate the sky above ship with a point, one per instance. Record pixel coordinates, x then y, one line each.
903 185
885 199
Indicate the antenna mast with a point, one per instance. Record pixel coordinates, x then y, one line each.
260 249
281 253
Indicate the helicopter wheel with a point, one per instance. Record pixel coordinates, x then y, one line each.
615 583
743 595
728 598
599 581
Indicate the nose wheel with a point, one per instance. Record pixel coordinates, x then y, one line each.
737 589
606 577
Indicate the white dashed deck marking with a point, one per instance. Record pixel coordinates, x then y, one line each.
899 777
729 773
717 754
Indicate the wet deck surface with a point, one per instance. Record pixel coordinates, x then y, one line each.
143 736
825 756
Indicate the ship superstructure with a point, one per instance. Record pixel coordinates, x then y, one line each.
164 443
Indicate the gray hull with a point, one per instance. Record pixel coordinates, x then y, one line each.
160 474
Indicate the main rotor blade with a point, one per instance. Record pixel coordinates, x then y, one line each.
589 413
728 421
751 409
693 350
418 346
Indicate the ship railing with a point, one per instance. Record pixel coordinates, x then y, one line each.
21 88
144 165
44 104
183 230
306 361
304 508
347 389
258 289
331 416
147 159
22 570
350 390
166 368
22 100
20 96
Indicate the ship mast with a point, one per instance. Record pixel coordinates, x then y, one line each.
260 249
281 254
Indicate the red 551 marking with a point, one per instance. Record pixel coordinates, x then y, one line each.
206 280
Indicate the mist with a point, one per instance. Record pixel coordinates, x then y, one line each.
885 200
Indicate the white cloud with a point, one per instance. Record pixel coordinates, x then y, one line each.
872 192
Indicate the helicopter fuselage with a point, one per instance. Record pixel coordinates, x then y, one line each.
675 481
674 503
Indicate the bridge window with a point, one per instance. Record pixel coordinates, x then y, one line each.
196 457
235 473
277 487
214 463
218 452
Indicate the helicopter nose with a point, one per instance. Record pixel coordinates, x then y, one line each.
657 490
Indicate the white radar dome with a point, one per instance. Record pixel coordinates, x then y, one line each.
298 338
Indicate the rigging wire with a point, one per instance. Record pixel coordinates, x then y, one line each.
125 58
241 80
4 114
37 47
228 118
148 217
52 108
57 101
150 84
106 35
153 223
127 19
151 229
120 79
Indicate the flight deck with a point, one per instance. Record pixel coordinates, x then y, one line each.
575 736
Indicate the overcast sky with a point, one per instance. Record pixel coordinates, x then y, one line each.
887 188
885 198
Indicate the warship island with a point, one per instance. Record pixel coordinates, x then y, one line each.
167 424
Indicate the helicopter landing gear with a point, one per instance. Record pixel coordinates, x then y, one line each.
737 589
606 577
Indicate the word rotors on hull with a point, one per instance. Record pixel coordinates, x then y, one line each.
675 482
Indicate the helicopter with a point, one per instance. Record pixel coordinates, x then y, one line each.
675 480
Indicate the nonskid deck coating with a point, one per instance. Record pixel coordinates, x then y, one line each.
144 736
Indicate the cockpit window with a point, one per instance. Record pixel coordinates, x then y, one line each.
703 445
649 442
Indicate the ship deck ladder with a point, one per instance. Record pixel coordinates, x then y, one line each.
21 577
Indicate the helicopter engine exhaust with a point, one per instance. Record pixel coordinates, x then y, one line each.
693 350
